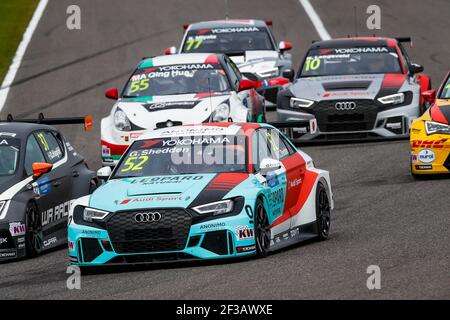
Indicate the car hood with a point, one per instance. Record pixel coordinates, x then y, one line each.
347 86
256 61
146 112
174 191
6 182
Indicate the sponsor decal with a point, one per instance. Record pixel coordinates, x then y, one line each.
148 152
21 246
294 183
170 105
426 156
11 254
8 134
135 135
166 179
361 50
151 199
4 142
244 233
50 241
54 154
435 144
71 245
276 197
196 141
234 30
17 229
3 240
272 179
196 131
91 232
212 226
245 249
42 186
57 213
394 125
21 240
424 167
106 152
414 157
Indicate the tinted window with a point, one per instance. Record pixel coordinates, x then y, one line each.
446 90
345 61
177 79
50 145
9 155
33 153
228 40
260 148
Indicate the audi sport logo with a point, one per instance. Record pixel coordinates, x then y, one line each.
343 106
144 217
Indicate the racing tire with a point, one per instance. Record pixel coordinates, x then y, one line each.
262 230
34 239
323 212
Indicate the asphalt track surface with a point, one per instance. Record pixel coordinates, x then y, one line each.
382 215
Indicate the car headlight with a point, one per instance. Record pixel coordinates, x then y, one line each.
219 207
300 103
121 121
269 73
436 127
90 214
221 113
393 99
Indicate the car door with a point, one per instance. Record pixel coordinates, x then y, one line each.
54 219
274 182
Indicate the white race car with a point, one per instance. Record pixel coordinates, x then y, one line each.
178 90
249 43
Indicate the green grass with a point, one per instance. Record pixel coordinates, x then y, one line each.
14 18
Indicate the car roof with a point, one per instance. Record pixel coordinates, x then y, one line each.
21 129
204 129
184 58
227 23
354 42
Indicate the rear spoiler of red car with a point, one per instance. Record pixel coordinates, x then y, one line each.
87 120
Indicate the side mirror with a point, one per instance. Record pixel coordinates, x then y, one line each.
415 68
40 168
170 50
104 173
289 74
246 84
284 46
429 95
267 165
112 93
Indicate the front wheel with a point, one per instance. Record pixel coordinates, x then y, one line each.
34 237
323 212
262 230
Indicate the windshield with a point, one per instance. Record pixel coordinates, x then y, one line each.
177 79
184 155
346 61
9 155
446 91
228 40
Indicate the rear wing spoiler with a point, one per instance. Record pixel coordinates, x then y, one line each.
405 40
87 121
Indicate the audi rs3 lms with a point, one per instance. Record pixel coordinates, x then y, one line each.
207 191
430 134
40 175
175 90
249 43
355 88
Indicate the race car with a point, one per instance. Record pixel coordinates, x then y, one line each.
208 191
249 43
40 175
354 88
430 134
174 90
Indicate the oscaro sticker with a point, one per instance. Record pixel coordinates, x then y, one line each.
426 156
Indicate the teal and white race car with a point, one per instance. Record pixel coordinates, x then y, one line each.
201 192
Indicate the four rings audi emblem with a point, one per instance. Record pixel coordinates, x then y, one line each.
147 217
348 105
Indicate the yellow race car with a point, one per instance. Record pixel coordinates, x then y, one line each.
430 134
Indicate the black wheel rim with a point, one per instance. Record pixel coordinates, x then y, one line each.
34 230
262 230
324 213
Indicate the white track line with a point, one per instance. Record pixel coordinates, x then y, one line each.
20 52
315 19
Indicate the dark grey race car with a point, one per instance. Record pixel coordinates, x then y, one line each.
40 175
